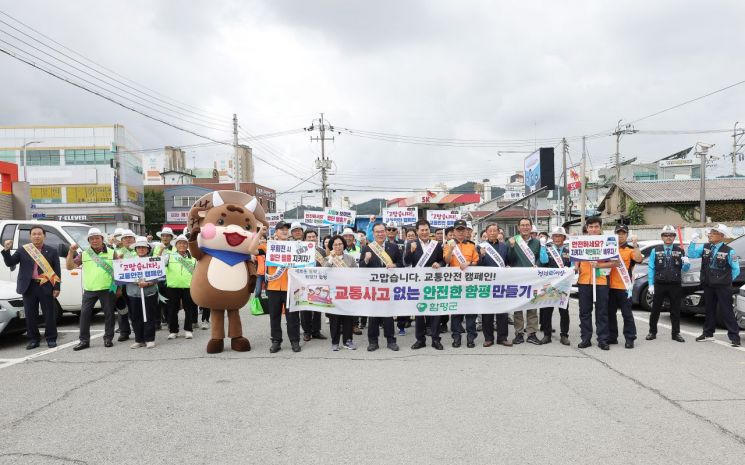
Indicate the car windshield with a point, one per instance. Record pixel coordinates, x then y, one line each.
79 234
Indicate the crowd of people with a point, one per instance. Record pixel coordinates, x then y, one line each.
602 285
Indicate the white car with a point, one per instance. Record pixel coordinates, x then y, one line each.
11 309
740 307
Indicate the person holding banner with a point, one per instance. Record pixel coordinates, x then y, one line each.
310 321
338 259
122 300
297 231
461 253
424 253
591 275
494 253
276 277
555 255
179 270
98 286
38 283
166 246
667 262
380 254
620 288
143 292
523 253
719 267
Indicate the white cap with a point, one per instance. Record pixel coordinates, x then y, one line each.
347 231
95 232
166 230
180 237
118 232
668 229
534 229
141 241
391 224
469 225
128 233
721 228
296 225
559 230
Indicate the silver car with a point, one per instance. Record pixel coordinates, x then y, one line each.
740 307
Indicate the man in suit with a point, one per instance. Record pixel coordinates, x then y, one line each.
38 283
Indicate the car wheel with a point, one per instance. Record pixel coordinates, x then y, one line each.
646 299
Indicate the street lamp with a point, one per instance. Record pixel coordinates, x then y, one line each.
25 161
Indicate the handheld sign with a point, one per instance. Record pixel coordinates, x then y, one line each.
294 254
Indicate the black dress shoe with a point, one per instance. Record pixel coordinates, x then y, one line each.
678 338
51 344
437 345
584 344
603 346
456 343
32 345
295 346
319 335
629 344
651 337
470 344
108 343
613 341
735 343
393 346
418 345
372 347
123 337
306 337
276 347
81 346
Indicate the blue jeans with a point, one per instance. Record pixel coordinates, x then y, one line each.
601 312
455 326
259 285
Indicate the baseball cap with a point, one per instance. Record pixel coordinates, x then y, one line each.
460 224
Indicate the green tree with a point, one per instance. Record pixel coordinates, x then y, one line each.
635 213
155 210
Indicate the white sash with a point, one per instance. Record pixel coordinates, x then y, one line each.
555 255
277 273
525 249
380 252
320 261
459 255
493 253
426 253
625 277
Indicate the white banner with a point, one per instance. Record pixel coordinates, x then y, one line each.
338 216
177 216
439 219
424 291
402 216
274 218
593 248
131 270
314 217
290 253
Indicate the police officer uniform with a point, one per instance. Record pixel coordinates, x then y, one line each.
666 266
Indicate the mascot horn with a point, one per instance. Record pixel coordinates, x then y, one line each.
226 227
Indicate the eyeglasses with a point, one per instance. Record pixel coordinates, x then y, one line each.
391 229
668 235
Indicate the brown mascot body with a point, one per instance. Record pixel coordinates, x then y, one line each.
226 227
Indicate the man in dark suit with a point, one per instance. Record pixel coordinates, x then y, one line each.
380 254
38 283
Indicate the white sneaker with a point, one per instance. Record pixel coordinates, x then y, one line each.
205 325
172 336
137 345
188 334
150 344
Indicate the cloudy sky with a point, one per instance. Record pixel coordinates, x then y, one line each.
519 74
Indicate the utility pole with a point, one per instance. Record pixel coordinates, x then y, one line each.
627 129
565 192
323 163
583 186
236 170
703 150
736 146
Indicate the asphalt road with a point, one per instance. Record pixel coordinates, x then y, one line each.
662 402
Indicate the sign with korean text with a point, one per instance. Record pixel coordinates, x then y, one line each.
402 216
274 218
177 216
290 253
314 217
425 291
131 270
439 219
593 248
339 216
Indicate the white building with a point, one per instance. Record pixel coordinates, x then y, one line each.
87 174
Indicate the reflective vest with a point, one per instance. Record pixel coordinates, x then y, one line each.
667 269
177 276
96 278
715 271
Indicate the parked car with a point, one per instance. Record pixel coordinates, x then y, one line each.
740 307
11 310
59 235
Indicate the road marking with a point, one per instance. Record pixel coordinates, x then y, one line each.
16 361
75 330
694 335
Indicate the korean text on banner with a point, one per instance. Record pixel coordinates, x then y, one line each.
274 218
337 216
314 217
439 219
296 254
593 248
131 270
424 291
402 216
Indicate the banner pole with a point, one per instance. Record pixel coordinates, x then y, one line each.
142 299
594 285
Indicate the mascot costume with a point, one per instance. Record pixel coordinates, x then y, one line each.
226 227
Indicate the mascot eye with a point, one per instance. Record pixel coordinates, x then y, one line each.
248 228
221 222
